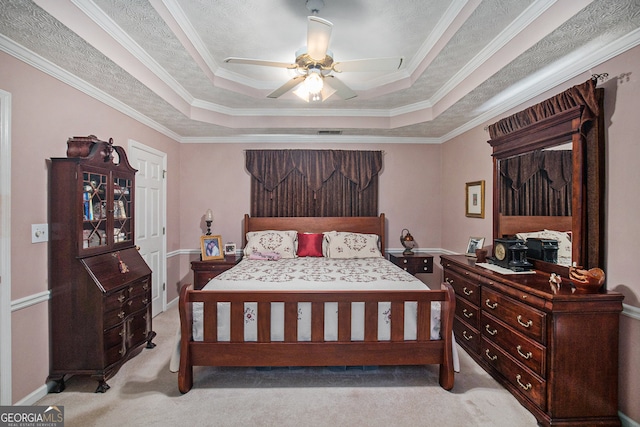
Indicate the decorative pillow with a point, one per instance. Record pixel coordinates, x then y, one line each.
310 244
273 241
351 245
563 238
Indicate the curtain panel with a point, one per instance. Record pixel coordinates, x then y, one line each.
314 182
537 183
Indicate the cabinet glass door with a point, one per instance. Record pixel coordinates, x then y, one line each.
94 208
122 220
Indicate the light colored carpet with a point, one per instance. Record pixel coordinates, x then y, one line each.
144 392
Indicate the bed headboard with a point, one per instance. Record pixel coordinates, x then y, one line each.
510 225
354 224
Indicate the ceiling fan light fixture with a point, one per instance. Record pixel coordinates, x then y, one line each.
314 82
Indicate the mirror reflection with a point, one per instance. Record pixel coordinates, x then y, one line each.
539 184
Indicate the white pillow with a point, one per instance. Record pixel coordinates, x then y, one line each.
272 241
563 238
342 244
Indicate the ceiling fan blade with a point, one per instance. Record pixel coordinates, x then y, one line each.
262 62
342 90
318 36
286 87
373 64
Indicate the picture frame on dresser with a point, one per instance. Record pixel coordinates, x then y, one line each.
211 248
474 202
474 243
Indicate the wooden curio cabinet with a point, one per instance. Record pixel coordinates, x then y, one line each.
100 306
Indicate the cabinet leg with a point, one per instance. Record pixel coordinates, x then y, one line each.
102 386
150 344
59 385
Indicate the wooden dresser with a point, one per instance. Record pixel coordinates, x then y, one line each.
557 352
100 306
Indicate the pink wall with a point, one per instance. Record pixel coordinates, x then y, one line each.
421 188
44 114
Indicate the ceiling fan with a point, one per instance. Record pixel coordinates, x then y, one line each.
315 66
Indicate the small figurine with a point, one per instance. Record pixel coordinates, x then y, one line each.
555 281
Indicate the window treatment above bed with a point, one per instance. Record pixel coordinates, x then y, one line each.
314 182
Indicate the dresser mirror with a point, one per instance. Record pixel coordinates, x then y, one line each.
549 175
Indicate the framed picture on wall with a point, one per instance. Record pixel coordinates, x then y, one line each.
211 247
474 204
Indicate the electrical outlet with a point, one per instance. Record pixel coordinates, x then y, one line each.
39 233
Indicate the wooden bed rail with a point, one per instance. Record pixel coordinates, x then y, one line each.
317 352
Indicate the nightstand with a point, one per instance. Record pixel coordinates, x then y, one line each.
416 263
203 271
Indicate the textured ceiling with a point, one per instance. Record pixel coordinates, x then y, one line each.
161 61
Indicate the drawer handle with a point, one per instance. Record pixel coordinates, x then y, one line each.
145 301
121 315
526 325
526 387
524 356
121 333
449 281
121 298
467 313
425 261
145 286
491 331
467 337
130 302
405 269
121 351
491 306
130 289
492 358
130 337
466 291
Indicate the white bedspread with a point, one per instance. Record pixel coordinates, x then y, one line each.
311 273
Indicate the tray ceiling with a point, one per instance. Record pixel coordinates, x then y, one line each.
161 61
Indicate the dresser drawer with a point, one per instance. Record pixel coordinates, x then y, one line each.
466 336
114 337
413 263
137 330
524 350
527 383
520 317
468 312
464 287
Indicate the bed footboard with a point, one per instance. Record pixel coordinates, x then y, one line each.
317 351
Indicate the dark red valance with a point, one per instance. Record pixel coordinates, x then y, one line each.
583 94
271 167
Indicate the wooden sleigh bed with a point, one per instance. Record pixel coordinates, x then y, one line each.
342 350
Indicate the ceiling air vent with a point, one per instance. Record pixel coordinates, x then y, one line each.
329 132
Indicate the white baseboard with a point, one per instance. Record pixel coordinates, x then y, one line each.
34 396
626 421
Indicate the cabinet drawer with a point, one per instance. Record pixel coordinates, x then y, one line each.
114 336
419 264
137 329
137 302
527 383
520 317
464 287
140 287
114 354
114 300
524 350
466 336
468 312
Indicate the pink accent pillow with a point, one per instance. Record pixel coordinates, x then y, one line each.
310 244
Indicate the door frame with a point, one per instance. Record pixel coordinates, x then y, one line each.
5 248
163 256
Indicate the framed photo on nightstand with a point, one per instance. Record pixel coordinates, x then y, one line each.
229 248
211 247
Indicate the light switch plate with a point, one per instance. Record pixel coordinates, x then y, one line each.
39 233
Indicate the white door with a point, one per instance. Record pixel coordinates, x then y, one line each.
150 216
